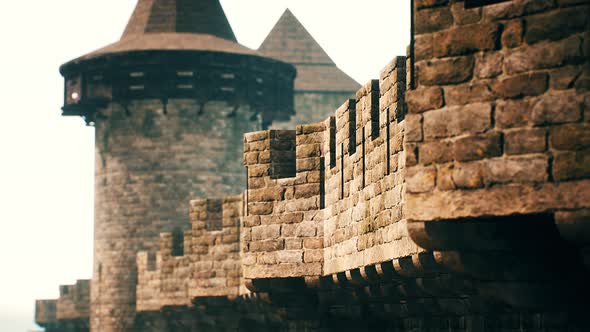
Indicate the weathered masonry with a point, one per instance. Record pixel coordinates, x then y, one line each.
450 194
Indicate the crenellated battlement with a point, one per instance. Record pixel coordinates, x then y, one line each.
328 197
201 262
72 307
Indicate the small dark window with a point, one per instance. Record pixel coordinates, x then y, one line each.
177 242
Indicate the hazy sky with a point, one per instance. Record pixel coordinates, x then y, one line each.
46 161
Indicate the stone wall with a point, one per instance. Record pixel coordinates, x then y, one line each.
69 313
282 228
202 262
365 182
149 163
500 109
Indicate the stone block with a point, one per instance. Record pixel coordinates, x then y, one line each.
544 55
444 177
468 175
435 152
488 64
457 120
266 245
570 136
466 39
558 107
307 190
564 78
516 169
478 147
433 19
423 47
420 179
445 71
557 24
413 128
424 99
290 256
313 243
468 93
571 165
513 113
266 232
313 256
260 208
464 16
521 85
526 140
306 229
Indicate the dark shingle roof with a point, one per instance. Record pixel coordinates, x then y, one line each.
289 41
165 16
185 25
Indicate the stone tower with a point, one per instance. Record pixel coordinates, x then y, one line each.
170 102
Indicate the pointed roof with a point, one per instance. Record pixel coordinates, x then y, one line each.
192 16
174 25
290 41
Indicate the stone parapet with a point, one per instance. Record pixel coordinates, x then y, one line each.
202 262
70 312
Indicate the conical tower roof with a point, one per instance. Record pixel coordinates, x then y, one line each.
190 16
290 41
174 25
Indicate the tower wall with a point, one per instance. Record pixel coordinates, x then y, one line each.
148 165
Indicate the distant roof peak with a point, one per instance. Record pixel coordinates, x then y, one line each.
179 16
290 41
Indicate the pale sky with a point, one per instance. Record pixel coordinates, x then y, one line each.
46 161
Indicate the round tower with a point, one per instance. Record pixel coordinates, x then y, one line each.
170 102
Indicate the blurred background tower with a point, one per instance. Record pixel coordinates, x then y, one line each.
169 102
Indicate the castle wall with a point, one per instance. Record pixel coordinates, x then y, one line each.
148 165
207 264
69 313
500 109
365 183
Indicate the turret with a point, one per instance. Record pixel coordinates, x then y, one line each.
170 102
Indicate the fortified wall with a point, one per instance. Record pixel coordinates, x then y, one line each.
451 194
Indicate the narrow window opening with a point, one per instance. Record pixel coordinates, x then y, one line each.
363 159
351 126
387 143
322 183
137 74
342 172
177 242
374 109
332 142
